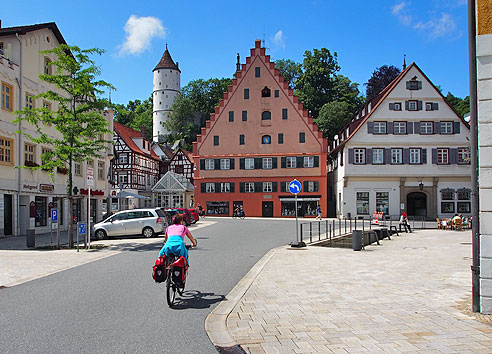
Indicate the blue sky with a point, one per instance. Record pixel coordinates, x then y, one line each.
204 36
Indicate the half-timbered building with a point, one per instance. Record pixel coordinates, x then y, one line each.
135 167
182 164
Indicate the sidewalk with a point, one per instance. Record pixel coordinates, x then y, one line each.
406 296
41 240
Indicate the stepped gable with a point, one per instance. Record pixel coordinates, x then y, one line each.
127 134
166 62
283 86
356 124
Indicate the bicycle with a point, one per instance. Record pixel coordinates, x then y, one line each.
238 215
174 282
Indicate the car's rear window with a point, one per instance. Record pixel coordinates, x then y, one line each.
159 212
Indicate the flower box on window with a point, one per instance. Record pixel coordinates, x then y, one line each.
62 170
30 164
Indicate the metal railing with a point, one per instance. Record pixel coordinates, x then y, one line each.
329 229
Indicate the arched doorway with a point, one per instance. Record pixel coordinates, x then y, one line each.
417 204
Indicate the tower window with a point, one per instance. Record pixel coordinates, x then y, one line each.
246 94
257 71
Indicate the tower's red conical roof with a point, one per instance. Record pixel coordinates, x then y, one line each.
166 62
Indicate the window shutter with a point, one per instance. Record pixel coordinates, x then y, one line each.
258 163
306 183
423 156
434 156
282 186
456 127
453 156
419 105
406 156
435 106
258 187
241 163
416 127
202 164
387 156
409 128
368 156
406 102
274 162
392 106
351 156
300 162
217 187
390 128
316 161
316 186
233 189
419 85
203 187
274 187
437 128
283 162
408 85
231 163
217 164
370 127
241 187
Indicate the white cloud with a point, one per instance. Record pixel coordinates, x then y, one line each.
400 11
398 7
437 27
139 33
278 39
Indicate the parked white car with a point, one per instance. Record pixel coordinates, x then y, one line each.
146 222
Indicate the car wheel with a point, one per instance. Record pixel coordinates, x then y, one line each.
100 235
148 232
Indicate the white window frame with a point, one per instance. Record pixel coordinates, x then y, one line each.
225 164
225 187
442 156
123 178
77 168
29 152
397 106
209 164
308 161
380 127
209 187
249 187
267 163
426 128
400 128
359 156
267 187
413 105
464 155
249 163
414 158
396 156
376 161
310 186
428 106
100 169
123 159
291 162
446 128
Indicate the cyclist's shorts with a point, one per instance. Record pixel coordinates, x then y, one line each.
175 245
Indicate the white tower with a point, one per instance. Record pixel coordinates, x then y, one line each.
166 87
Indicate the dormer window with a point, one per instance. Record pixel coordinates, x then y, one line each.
266 92
414 84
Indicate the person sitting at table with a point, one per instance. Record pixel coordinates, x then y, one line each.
404 222
456 217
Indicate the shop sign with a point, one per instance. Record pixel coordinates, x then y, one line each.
28 186
217 204
46 188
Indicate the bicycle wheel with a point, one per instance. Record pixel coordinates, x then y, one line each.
170 289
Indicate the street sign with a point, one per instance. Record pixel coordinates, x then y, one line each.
82 228
90 171
295 187
54 215
90 176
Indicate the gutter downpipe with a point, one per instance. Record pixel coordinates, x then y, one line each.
472 66
19 136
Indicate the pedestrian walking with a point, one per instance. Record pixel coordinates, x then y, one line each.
318 213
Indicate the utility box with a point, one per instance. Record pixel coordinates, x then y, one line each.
357 240
30 238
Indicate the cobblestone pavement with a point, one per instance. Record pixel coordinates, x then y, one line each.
400 297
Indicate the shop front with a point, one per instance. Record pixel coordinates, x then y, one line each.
306 206
217 208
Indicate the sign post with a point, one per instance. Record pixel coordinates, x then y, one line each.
90 182
295 188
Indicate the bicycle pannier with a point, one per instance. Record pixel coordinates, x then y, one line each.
180 270
159 270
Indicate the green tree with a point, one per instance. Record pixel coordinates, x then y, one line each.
461 105
333 116
315 85
193 106
380 78
78 119
136 114
290 70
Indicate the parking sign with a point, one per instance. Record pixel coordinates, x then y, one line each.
82 228
54 215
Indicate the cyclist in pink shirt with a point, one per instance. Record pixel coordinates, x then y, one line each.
174 238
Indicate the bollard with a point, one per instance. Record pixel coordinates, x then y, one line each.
30 238
357 240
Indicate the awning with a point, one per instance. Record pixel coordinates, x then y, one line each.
299 199
125 194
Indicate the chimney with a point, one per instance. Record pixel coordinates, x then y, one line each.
142 131
238 64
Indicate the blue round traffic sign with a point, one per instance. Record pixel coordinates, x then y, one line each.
295 187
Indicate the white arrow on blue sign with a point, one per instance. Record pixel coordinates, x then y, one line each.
54 215
295 187
82 228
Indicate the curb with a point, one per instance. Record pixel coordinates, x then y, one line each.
216 321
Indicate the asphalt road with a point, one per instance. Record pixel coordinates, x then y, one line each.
113 305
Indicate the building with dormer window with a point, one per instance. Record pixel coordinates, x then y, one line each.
258 140
407 150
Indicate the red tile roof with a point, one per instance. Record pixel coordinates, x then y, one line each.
128 134
166 62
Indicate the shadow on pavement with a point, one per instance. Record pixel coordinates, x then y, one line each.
194 299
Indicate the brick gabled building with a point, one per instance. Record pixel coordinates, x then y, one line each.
258 140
